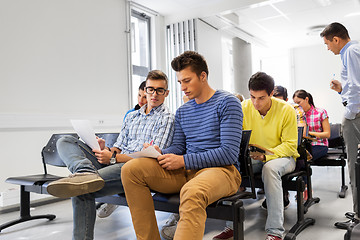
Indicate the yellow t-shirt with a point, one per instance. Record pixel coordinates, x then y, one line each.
277 131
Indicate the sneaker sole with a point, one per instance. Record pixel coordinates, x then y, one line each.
67 190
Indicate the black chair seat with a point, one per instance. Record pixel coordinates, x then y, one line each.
329 160
29 180
334 151
175 198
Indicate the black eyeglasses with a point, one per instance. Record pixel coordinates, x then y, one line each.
159 91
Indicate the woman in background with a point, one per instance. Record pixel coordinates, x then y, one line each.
317 120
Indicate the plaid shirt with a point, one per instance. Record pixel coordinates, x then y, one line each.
139 128
314 118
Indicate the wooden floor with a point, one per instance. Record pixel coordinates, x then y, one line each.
326 181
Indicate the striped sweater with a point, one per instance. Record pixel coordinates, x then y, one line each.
208 134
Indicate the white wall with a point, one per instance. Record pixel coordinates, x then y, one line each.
313 69
59 59
209 45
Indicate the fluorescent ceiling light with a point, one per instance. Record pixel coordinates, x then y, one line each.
265 3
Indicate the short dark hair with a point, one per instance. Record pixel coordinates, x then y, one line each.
190 59
280 91
142 85
261 81
335 29
303 94
157 75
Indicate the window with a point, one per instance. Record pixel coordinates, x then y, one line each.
140 50
181 37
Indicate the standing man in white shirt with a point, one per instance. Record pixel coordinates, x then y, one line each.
337 39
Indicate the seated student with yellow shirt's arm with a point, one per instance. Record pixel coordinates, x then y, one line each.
274 126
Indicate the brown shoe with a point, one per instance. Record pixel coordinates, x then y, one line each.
76 184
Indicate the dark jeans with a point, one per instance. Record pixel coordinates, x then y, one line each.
318 151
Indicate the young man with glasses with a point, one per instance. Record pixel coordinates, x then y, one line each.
97 173
202 162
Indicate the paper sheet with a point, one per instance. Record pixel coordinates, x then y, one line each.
147 152
86 132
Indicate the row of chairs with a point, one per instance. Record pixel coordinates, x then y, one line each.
230 208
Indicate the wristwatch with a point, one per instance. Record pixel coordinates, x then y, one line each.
113 158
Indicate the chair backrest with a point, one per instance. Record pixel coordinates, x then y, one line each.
110 138
335 140
246 168
244 151
300 135
50 154
335 130
302 145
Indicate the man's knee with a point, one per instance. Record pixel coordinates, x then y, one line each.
65 140
128 169
194 195
136 167
270 170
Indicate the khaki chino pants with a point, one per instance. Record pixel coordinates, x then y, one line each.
198 189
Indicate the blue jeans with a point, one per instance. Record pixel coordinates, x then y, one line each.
78 157
272 171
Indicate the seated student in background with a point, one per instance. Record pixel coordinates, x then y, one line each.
106 209
281 93
141 99
201 163
273 125
97 173
239 96
318 121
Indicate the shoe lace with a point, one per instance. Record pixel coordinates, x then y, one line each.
78 174
227 229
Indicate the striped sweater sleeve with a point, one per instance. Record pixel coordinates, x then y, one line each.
230 137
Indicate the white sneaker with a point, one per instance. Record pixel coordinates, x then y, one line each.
169 228
172 220
106 210
168 232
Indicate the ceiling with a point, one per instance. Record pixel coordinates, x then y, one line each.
285 23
